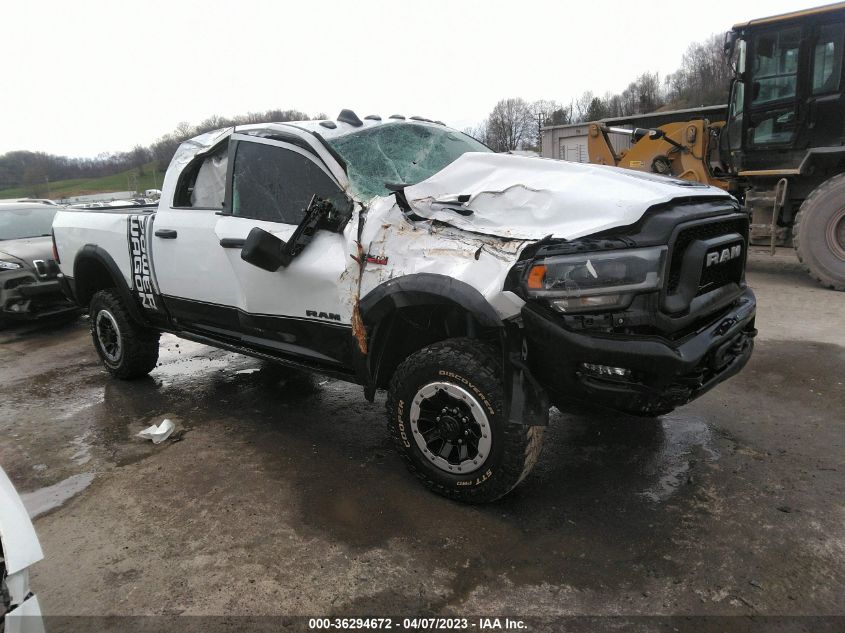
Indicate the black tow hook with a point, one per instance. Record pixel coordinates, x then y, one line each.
725 325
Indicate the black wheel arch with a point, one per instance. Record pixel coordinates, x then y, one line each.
405 314
94 270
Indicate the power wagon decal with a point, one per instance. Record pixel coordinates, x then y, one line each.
142 279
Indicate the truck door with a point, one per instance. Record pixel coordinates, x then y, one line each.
194 275
297 309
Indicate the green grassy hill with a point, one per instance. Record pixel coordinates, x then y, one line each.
84 186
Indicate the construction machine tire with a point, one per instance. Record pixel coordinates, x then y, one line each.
819 233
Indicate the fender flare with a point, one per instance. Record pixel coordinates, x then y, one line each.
419 289
525 400
426 289
92 252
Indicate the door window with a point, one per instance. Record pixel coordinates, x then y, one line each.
202 184
775 126
827 59
775 68
276 184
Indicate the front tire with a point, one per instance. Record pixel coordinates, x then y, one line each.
127 349
445 414
818 234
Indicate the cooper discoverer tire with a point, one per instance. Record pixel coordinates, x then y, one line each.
818 234
127 349
445 415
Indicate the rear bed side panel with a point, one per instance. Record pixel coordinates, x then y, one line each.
108 230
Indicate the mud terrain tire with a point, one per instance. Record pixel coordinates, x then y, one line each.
459 373
127 349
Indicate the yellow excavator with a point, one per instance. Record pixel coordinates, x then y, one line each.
781 148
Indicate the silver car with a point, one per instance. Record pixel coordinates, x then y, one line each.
29 285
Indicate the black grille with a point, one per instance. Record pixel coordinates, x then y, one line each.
714 277
18 281
717 276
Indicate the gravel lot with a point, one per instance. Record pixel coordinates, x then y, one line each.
284 496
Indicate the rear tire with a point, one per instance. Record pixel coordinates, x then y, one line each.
445 414
819 233
126 349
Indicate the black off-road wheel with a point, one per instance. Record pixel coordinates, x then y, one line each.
127 349
445 414
819 233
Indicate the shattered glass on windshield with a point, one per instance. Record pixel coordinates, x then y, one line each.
399 153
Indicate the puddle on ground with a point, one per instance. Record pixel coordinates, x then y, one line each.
686 441
41 501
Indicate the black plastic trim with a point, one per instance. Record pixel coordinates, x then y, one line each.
92 252
324 342
426 289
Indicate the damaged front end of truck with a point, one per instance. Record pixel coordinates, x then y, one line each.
598 284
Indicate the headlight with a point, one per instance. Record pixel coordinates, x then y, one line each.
596 280
7 265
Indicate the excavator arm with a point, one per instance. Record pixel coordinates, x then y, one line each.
681 150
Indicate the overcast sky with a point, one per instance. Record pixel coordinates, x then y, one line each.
82 77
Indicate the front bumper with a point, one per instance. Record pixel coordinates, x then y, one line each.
25 297
664 374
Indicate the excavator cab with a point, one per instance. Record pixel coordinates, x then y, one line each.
784 138
788 93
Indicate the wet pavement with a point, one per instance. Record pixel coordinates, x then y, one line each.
284 496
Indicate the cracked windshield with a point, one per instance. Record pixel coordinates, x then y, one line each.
398 153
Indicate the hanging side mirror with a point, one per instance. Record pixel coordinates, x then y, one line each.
266 251
263 249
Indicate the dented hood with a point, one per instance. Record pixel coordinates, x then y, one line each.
529 198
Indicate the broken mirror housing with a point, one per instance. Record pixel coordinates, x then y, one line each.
595 280
266 251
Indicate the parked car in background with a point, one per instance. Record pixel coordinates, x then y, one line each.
19 550
29 288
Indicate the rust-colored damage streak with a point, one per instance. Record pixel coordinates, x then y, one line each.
358 330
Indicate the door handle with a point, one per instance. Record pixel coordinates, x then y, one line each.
166 234
232 242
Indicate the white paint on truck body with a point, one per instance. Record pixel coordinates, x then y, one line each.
509 202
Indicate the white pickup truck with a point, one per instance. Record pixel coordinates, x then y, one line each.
477 288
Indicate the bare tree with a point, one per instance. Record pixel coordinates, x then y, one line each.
703 78
543 112
582 106
510 125
35 180
478 132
